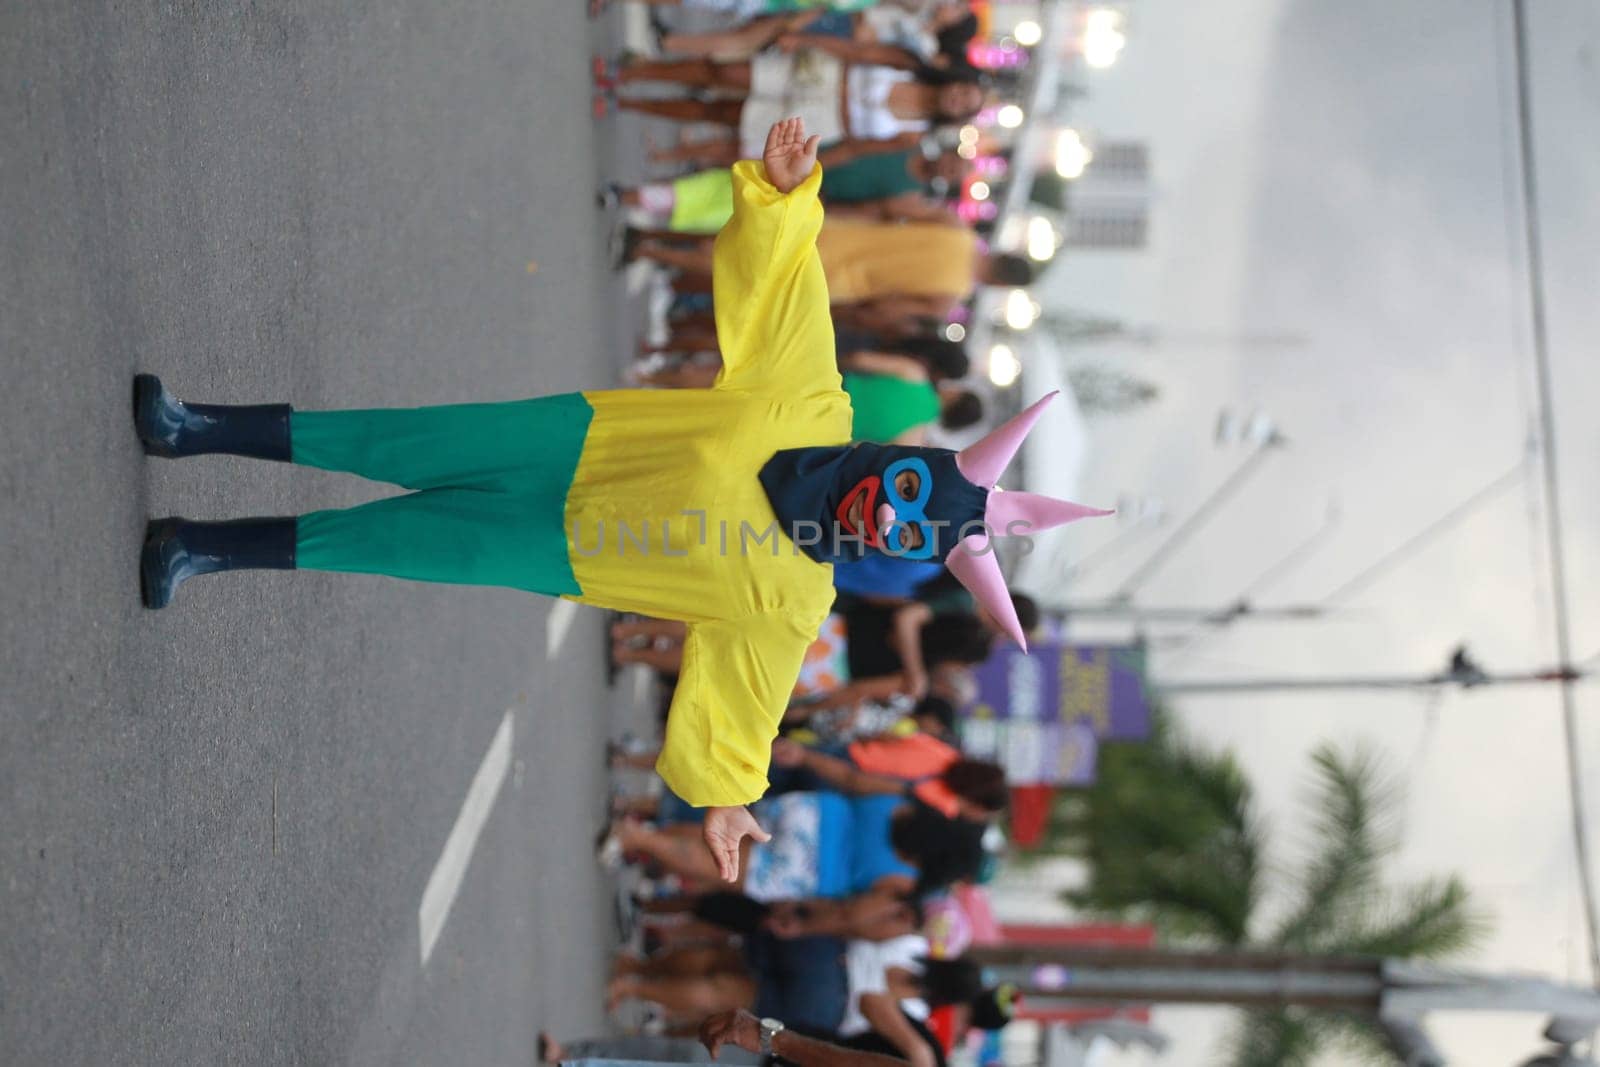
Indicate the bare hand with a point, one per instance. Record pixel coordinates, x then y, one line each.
785 753
790 42
731 1027
724 831
789 155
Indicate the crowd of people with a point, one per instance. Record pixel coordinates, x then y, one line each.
874 813
883 86
872 817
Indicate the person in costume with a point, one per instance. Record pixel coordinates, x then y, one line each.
722 508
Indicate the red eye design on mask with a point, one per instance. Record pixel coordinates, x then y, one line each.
856 511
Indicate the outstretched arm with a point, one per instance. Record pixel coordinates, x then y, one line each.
881 55
771 297
875 915
732 689
882 1010
838 773
744 1030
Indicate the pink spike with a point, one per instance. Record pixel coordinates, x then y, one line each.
974 565
1020 514
984 461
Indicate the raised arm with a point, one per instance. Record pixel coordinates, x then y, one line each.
770 294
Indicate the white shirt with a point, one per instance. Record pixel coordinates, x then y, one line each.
866 967
867 103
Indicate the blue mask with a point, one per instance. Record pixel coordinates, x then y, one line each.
828 500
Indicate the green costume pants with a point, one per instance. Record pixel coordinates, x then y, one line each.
490 488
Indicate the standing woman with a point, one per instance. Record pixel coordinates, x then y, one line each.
836 96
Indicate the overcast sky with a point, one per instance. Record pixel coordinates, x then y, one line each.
1336 189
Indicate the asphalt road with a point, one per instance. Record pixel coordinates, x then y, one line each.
217 822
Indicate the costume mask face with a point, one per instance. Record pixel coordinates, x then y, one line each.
913 508
843 502
869 499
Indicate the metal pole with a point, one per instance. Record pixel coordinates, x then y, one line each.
1547 430
1153 975
1116 545
1427 534
1187 528
1295 556
1241 609
1397 994
1358 682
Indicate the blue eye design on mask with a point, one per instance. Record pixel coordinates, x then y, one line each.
909 512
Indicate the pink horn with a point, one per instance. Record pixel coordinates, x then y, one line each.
1012 514
982 462
974 565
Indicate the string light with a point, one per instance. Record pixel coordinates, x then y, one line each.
1072 155
1021 312
1004 366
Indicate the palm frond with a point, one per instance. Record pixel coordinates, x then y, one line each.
1171 837
1354 803
1429 920
1282 1037
1358 1039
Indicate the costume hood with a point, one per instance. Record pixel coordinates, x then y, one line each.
850 501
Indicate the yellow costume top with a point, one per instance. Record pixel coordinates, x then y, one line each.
666 516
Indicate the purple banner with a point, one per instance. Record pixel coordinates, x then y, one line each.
1042 715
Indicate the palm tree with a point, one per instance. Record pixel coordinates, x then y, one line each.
1154 808
1171 836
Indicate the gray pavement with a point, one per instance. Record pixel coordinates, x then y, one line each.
217 821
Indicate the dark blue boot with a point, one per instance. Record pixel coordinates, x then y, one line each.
176 550
169 427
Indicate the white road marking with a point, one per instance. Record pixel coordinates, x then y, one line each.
452 866
562 612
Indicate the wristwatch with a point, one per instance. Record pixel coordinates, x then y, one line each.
770 1029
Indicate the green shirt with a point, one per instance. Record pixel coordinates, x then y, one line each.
812 5
869 178
886 407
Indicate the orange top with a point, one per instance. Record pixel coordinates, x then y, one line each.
919 758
